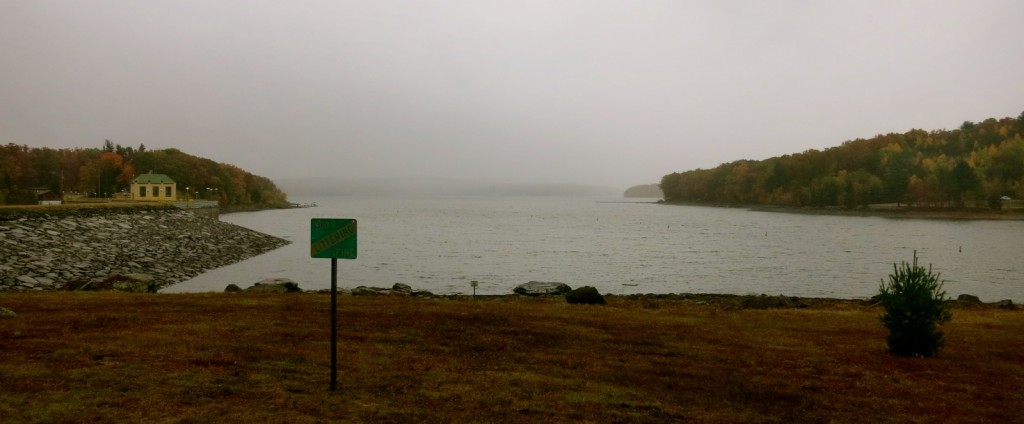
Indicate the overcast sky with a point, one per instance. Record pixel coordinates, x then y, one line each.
611 93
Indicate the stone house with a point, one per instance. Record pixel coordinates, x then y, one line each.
154 187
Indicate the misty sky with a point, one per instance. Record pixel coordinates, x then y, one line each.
610 93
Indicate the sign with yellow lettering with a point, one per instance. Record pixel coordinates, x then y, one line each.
332 238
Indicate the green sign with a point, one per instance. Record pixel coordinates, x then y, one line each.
332 238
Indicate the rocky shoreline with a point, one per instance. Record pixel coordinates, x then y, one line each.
590 295
161 245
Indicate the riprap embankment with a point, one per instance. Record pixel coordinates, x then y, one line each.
48 249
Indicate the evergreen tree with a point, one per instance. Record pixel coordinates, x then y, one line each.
915 305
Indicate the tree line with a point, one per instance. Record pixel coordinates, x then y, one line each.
978 164
105 172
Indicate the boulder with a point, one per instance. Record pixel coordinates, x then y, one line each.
767 302
968 298
133 286
7 313
266 288
1006 304
275 285
541 288
232 288
83 285
141 277
422 293
27 280
132 283
367 291
401 288
115 282
585 295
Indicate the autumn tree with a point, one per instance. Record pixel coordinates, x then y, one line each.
964 182
896 174
111 173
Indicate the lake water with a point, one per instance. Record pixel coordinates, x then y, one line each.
440 244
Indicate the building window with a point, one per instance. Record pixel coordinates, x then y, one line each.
167 191
142 191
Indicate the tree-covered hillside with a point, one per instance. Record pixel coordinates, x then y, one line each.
975 165
645 190
109 170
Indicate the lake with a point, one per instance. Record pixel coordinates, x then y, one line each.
440 244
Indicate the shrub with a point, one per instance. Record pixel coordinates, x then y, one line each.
915 306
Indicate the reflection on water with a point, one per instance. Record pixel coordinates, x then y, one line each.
441 244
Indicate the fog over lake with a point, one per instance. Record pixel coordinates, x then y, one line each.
599 92
441 243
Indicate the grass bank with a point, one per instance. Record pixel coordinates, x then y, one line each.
113 357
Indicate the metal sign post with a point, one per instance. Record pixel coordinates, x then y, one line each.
334 239
334 324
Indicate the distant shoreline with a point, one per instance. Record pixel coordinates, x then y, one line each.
882 211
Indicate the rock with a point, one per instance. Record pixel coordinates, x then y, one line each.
969 298
232 288
267 288
117 282
540 288
133 286
585 295
402 288
82 285
141 277
7 313
288 285
275 285
1006 304
367 291
766 302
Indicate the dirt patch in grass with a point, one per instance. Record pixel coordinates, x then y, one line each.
116 357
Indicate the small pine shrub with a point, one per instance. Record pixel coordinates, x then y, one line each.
915 305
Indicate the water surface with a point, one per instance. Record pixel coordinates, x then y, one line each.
440 244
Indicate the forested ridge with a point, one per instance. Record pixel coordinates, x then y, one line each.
976 165
643 190
105 172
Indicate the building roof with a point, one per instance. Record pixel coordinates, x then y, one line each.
153 179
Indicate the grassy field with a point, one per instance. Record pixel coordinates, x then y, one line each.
113 357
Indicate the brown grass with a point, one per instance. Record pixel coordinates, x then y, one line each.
112 357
